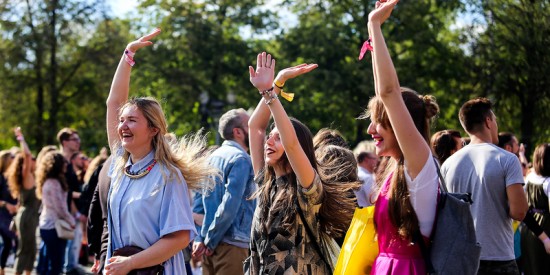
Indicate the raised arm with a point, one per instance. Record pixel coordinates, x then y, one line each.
262 79
414 147
121 85
298 160
27 158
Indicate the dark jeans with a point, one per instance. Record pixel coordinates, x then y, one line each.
498 267
52 253
7 238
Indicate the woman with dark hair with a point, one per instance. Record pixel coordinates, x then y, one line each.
8 208
52 188
535 247
445 143
297 216
407 181
22 186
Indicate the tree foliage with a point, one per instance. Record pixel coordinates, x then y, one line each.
58 58
512 65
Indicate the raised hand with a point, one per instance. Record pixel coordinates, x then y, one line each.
143 41
262 77
18 133
295 71
382 11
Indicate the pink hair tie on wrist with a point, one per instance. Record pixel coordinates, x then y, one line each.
129 57
367 46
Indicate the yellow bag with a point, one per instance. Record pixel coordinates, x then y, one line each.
360 246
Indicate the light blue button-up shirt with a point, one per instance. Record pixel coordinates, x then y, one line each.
143 210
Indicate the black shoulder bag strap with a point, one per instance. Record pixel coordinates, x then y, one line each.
310 233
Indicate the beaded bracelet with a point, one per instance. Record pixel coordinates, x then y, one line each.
272 97
266 92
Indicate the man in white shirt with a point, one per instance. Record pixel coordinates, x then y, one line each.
366 163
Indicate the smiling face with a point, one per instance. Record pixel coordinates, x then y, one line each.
134 131
273 148
384 140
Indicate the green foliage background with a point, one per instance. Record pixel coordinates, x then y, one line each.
57 59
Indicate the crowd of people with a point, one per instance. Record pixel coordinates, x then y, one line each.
271 199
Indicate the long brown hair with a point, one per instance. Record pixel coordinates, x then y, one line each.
15 175
285 202
338 171
422 110
6 157
51 166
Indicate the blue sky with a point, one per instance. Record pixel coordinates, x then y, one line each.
122 7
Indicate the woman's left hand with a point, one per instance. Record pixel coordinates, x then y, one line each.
143 41
118 265
382 11
295 71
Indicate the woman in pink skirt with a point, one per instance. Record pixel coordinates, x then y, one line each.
407 181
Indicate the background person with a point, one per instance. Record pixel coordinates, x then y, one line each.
52 190
23 187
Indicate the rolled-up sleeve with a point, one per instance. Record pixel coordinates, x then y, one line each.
175 212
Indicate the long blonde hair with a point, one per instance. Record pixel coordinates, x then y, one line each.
183 154
422 110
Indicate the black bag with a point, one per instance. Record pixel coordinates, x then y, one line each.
453 245
131 250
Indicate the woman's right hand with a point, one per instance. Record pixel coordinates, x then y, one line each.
143 41
95 267
382 11
262 77
17 132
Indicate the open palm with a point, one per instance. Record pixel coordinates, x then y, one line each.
262 77
143 41
295 71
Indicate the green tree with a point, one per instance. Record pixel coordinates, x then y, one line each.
512 65
203 49
425 51
46 48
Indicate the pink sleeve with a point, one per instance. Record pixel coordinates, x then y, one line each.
55 199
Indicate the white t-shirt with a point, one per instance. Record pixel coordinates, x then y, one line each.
363 193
